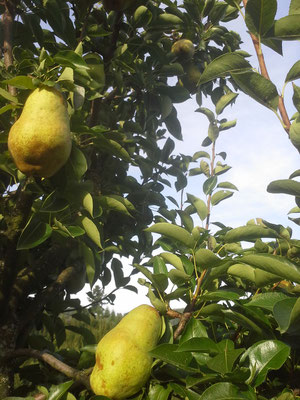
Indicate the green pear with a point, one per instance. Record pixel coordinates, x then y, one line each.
183 49
123 363
40 140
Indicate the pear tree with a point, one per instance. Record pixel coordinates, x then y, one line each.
106 202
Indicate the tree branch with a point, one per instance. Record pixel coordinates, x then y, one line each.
265 74
189 310
76 375
8 19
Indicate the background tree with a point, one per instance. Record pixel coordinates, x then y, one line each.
121 80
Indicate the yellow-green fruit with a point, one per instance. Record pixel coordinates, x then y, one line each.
123 363
40 140
117 5
183 49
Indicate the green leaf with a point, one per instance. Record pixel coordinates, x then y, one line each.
223 363
199 344
208 113
294 72
224 65
142 16
286 28
34 233
166 20
206 259
294 7
168 353
199 205
220 196
209 185
227 185
159 392
89 261
264 356
249 233
166 109
8 96
225 101
266 300
200 154
57 391
258 87
173 260
116 203
255 275
178 277
193 329
227 125
173 125
276 265
296 97
226 391
159 266
287 186
287 313
91 230
77 164
20 82
68 58
259 15
173 232
295 136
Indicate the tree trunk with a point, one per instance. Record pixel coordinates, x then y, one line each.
8 334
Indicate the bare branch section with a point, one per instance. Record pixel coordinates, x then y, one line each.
76 375
265 74
189 310
8 20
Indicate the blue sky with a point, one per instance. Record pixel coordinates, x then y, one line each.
258 150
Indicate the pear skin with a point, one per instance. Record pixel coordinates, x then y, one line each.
123 364
183 49
40 140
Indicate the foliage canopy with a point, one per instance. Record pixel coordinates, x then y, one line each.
238 335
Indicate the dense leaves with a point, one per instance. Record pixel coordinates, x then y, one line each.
235 334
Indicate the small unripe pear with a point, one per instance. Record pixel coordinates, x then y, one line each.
40 140
123 363
183 49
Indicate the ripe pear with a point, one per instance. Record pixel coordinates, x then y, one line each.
183 49
40 140
123 363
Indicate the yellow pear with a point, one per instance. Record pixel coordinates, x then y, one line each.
183 49
40 140
123 363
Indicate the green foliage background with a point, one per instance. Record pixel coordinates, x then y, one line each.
238 335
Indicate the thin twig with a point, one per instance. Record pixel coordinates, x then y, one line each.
265 74
76 375
212 166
